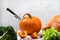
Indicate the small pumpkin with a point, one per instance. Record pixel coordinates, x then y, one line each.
30 24
54 22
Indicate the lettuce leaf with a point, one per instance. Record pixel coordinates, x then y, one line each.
51 34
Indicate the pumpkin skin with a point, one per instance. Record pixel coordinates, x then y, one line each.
54 22
30 24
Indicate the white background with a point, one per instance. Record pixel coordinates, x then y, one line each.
43 9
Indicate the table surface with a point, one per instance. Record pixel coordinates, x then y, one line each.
28 38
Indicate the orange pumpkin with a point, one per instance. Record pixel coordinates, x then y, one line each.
30 24
54 22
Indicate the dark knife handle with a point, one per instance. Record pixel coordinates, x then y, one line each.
10 11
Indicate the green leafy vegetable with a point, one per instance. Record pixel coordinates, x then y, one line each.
51 34
7 33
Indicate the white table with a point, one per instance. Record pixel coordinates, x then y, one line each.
28 38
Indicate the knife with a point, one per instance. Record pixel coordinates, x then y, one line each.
16 16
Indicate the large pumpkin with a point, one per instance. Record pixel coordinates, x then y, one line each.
30 24
54 22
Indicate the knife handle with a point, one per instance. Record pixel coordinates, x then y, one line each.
10 11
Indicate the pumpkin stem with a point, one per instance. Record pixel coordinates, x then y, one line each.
28 15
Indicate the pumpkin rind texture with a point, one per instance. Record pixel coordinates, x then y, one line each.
30 25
